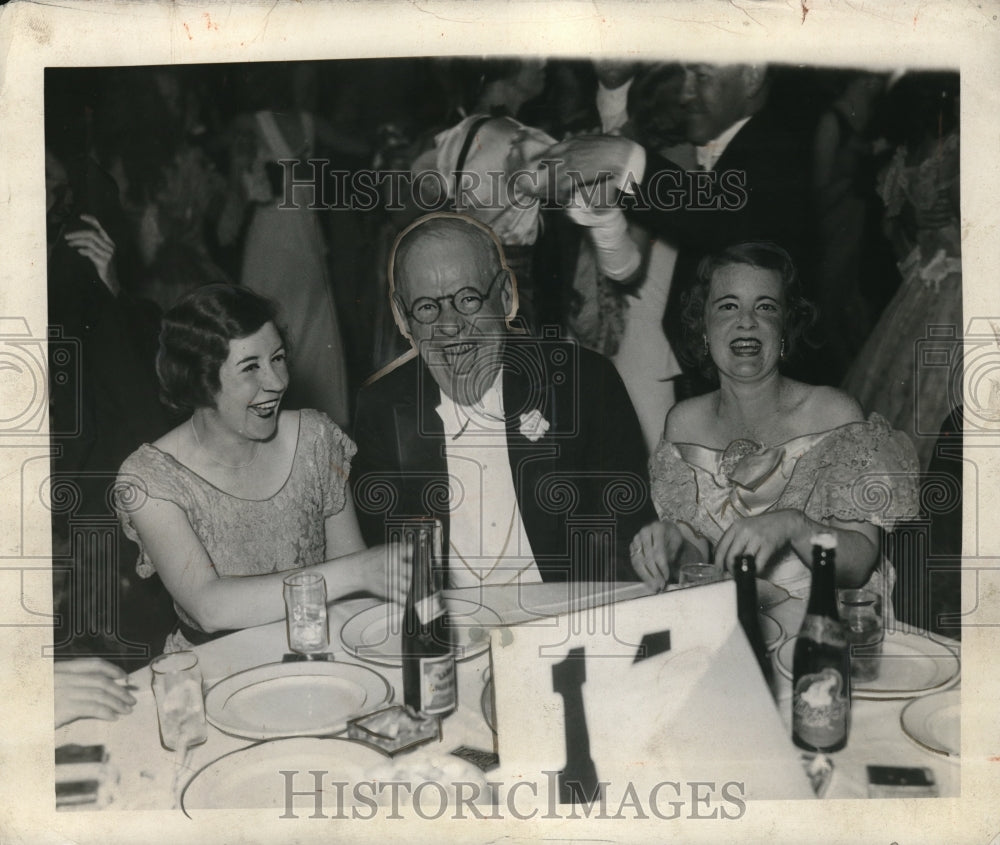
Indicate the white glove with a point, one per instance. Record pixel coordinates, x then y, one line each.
617 254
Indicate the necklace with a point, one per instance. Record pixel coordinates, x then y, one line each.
214 460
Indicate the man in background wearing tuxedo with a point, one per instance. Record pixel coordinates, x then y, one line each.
751 183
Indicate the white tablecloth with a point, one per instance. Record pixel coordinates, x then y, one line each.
149 777
876 736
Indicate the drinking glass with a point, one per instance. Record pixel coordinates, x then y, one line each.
305 609
180 703
860 611
698 573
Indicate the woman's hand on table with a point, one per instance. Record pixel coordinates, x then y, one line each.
653 549
383 578
762 536
767 535
87 687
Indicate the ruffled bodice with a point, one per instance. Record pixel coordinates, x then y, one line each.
937 255
859 472
248 536
925 313
921 184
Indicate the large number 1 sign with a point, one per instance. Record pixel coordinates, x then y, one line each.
578 779
578 782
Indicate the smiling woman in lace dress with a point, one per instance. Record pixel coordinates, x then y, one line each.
763 462
240 488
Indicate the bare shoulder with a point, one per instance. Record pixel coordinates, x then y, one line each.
174 440
291 424
687 420
825 407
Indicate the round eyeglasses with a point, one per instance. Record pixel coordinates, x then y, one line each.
466 301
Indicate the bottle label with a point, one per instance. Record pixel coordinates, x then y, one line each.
820 708
824 630
437 684
429 608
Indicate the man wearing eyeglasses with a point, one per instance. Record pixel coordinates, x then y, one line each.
527 449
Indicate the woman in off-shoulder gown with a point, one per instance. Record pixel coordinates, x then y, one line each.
850 473
923 321
764 463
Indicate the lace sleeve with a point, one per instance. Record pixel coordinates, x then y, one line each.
672 484
146 474
334 452
863 472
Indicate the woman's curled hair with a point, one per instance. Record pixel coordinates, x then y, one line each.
800 313
194 341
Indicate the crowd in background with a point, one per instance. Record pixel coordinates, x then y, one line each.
171 175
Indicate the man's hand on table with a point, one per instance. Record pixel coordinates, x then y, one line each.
87 687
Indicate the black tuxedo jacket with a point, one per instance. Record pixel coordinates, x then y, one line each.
582 488
771 162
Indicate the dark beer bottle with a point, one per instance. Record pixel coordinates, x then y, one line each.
821 667
745 573
429 681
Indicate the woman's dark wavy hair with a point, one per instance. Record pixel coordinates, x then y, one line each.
194 341
800 313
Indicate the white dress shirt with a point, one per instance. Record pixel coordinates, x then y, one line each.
612 106
487 540
711 152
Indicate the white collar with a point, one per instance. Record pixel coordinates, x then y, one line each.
711 152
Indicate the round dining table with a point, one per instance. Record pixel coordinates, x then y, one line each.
141 774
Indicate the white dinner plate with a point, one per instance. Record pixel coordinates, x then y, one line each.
771 630
488 706
294 699
769 595
934 722
250 778
350 774
374 634
911 664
